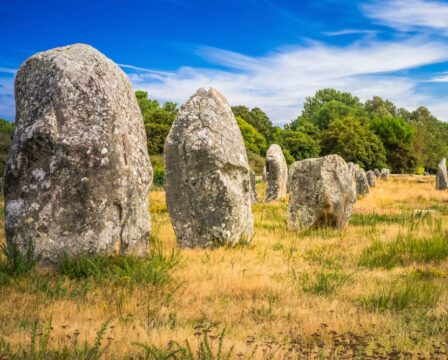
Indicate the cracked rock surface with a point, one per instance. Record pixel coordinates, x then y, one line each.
442 176
78 173
207 177
276 174
321 193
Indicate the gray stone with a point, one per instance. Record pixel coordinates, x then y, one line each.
377 173
253 187
276 174
362 183
78 174
442 176
207 177
371 178
360 179
321 193
385 173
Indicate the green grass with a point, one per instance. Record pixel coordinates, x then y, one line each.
120 270
322 282
40 346
405 250
15 263
372 219
403 294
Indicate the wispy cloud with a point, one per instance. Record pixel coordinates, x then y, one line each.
409 15
138 68
350 32
280 81
8 70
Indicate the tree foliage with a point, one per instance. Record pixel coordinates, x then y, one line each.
6 130
298 145
253 140
258 119
355 142
157 119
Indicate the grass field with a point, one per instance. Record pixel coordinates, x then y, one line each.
377 288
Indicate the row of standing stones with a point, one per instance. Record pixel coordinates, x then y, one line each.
78 174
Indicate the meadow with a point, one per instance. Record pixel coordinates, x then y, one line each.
377 289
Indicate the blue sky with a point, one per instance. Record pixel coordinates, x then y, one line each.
266 53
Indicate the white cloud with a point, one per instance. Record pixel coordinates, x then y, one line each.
406 15
280 81
350 32
8 70
7 106
441 78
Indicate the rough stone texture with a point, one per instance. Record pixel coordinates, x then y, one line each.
442 176
385 173
264 174
321 192
377 173
253 187
371 178
276 174
362 183
360 179
78 173
207 177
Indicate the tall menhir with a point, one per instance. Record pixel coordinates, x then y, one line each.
78 173
207 177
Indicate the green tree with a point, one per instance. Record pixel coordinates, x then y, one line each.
157 120
258 119
355 142
430 142
397 136
328 105
378 107
298 145
6 130
253 140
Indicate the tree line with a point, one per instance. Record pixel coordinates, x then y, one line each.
373 134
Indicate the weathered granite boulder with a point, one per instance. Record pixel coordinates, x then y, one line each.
276 174
371 178
362 183
263 176
360 179
377 173
442 176
207 177
253 187
321 193
78 173
385 173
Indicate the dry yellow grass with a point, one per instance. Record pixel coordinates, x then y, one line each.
264 289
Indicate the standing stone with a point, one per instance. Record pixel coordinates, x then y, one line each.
321 193
362 183
253 187
385 174
442 176
377 173
78 173
207 177
360 179
276 174
371 178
